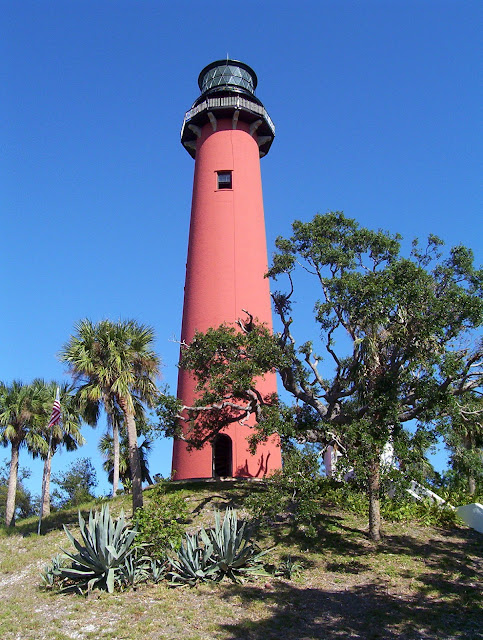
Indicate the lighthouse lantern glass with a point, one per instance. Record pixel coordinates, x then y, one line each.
227 74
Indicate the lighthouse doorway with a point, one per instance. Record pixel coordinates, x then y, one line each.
222 457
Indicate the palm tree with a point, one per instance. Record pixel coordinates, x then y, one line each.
66 433
115 361
20 426
115 421
106 448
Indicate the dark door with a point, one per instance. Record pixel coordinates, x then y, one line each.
222 456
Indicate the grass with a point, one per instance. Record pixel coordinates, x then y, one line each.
418 583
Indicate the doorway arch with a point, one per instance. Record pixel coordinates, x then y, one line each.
222 456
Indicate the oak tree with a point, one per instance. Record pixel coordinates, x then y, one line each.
394 339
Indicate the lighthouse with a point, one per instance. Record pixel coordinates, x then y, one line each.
226 131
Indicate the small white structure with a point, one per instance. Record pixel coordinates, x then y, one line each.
418 492
331 455
388 461
472 515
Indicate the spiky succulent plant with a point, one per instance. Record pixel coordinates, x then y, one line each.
102 552
226 550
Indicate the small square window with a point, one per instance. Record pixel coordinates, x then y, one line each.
224 179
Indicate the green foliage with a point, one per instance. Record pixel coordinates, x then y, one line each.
115 364
346 495
454 490
288 568
292 492
157 570
226 550
102 554
159 523
21 426
106 447
226 362
400 508
75 484
136 569
235 553
462 428
426 512
397 334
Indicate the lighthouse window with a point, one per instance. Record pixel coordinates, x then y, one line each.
224 180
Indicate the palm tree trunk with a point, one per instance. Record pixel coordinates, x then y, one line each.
46 486
132 438
374 503
12 487
116 454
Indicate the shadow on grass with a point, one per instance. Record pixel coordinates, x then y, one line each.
368 612
221 494
331 534
453 564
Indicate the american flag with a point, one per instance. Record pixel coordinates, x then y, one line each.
55 417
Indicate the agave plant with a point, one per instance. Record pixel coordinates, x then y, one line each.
157 570
288 567
192 562
236 555
50 575
226 550
101 555
135 569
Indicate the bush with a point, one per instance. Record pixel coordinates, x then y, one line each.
426 512
160 523
401 508
292 492
75 484
346 495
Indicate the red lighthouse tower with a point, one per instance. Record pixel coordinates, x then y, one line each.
226 131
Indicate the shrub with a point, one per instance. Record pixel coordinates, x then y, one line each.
160 523
292 492
400 508
75 484
426 512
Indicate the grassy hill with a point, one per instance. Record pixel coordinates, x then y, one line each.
418 583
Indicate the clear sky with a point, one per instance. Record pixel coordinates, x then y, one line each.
375 104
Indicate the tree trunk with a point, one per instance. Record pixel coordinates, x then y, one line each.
12 487
471 485
46 486
116 456
132 438
374 504
469 445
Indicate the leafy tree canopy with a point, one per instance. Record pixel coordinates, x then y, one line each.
394 341
113 363
75 485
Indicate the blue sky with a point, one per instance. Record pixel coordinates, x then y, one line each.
375 105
